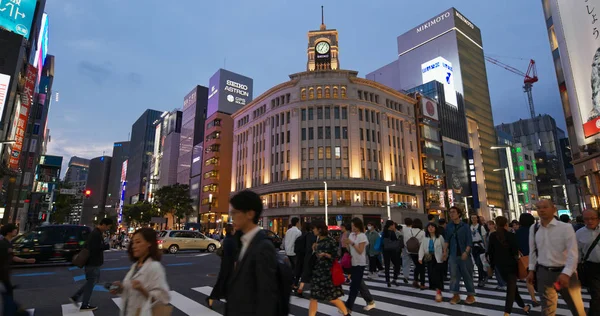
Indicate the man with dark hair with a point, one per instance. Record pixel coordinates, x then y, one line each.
290 240
95 245
579 223
431 218
253 286
459 243
9 232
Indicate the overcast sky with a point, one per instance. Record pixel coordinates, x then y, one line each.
116 58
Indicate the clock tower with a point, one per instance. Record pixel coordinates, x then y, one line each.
322 48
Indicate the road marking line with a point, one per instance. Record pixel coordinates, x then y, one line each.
79 278
115 269
206 290
203 254
179 264
31 311
71 310
33 274
73 268
189 306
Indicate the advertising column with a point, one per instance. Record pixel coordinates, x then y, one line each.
21 115
123 189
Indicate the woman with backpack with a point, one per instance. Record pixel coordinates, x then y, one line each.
415 237
391 246
433 254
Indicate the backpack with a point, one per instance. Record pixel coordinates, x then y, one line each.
300 245
413 244
285 279
390 245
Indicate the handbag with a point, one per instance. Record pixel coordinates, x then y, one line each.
581 266
337 273
523 265
427 257
80 259
346 261
154 309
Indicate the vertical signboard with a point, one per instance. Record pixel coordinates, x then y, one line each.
577 31
123 189
17 15
22 113
4 82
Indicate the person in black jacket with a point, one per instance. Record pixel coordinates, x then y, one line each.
253 286
503 252
309 259
96 246
230 247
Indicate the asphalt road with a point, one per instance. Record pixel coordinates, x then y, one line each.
191 275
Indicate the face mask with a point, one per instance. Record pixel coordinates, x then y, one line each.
370 227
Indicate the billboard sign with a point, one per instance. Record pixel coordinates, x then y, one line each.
429 108
4 82
22 116
579 45
17 15
441 70
228 92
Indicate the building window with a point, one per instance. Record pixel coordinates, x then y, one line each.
303 154
344 132
362 173
288 117
336 112
321 173
335 92
311 153
303 114
311 93
360 130
360 114
303 133
411 147
362 154
327 132
310 114
311 133
328 174
378 137
327 113
344 113
328 152
374 155
372 116
338 173
368 135
303 94
338 152
320 153
368 155
345 152
288 137
346 173
373 134
311 173
343 92
319 132
319 113
337 132
303 173
287 156
319 93
327 92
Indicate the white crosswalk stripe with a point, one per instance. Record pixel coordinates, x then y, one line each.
397 300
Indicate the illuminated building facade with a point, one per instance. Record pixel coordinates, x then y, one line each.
326 127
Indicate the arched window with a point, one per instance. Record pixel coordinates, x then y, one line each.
303 94
327 92
319 93
343 92
311 93
335 92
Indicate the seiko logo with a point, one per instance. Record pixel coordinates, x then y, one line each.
433 22
467 22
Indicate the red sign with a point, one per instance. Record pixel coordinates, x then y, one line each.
592 127
21 117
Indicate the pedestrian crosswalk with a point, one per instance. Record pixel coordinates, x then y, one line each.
396 300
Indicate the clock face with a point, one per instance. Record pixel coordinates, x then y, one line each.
322 48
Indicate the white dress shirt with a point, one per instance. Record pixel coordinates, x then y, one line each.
585 238
290 239
246 240
556 245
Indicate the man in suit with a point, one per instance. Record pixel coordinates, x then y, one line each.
253 287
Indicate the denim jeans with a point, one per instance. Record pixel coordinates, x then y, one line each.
92 276
406 261
357 285
461 269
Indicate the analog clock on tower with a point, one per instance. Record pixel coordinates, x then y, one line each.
322 48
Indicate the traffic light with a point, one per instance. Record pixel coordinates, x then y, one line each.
88 193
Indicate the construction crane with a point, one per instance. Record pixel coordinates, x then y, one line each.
530 77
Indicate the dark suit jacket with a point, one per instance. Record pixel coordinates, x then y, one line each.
253 286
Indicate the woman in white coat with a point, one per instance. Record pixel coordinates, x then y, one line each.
145 287
433 254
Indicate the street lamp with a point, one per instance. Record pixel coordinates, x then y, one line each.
387 192
326 220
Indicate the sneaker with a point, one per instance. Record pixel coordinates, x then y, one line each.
369 306
73 299
438 297
87 308
501 288
470 300
455 299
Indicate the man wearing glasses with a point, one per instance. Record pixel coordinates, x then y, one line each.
586 238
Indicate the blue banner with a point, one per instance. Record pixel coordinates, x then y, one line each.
17 16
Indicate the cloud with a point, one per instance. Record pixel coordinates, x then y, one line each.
60 146
97 72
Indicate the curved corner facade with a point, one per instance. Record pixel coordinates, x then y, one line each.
356 135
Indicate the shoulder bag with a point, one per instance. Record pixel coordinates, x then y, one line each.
581 266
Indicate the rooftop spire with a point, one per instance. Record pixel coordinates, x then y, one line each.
323 27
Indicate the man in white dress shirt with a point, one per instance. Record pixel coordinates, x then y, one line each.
585 238
290 240
553 261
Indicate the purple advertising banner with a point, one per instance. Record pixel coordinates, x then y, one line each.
213 94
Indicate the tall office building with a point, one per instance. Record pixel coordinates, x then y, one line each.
195 105
47 177
574 40
165 156
448 48
229 93
76 177
97 183
119 155
141 146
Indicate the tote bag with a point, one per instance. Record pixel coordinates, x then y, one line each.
337 273
523 265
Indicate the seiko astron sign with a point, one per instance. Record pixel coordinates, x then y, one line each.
228 92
